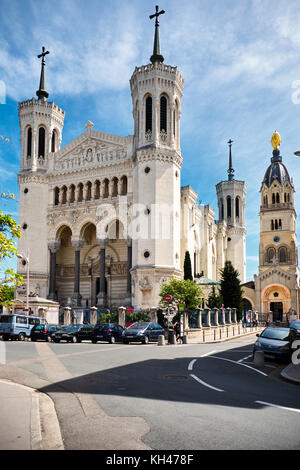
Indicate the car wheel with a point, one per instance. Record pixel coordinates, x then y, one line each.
112 340
21 337
146 340
74 339
33 339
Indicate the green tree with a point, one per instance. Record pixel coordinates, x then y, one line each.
183 291
214 300
9 233
231 290
187 267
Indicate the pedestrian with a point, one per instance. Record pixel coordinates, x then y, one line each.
177 330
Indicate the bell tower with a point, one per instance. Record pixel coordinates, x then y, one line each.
231 225
156 91
41 124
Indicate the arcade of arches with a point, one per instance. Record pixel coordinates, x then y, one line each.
88 272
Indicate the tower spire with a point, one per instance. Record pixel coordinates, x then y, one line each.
156 57
230 170
42 93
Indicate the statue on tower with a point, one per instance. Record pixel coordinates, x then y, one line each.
276 140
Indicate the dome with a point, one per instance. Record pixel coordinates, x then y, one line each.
276 171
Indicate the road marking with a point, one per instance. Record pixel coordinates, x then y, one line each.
240 364
244 358
205 384
277 406
191 364
190 367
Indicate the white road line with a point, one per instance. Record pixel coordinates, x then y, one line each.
244 358
205 384
277 406
191 364
239 364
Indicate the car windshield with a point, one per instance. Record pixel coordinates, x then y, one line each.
276 333
138 326
5 319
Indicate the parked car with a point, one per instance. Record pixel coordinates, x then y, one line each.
295 325
18 326
275 342
110 332
73 333
43 332
143 332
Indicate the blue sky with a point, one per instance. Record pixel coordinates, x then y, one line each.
240 60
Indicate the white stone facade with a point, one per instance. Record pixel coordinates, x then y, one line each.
104 218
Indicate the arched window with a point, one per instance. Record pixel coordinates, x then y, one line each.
41 142
53 141
277 198
284 197
273 198
237 207
272 225
80 193
29 143
222 210
228 200
280 225
97 189
124 185
288 197
72 193
64 195
163 114
148 114
56 196
88 195
106 188
115 187
282 255
271 255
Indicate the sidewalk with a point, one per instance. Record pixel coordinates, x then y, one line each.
27 419
292 373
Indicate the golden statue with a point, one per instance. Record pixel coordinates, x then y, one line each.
276 140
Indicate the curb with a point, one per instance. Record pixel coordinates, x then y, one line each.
227 339
45 431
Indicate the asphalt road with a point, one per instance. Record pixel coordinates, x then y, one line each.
187 397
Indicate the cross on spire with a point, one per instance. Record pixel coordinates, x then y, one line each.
156 57
42 93
230 170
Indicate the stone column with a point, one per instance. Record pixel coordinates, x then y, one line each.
234 315
208 321
223 316
93 315
34 149
53 247
122 316
129 266
216 316
76 299
101 296
199 318
229 315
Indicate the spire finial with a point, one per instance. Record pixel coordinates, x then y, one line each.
156 57
41 93
230 170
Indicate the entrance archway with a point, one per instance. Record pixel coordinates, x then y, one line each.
276 298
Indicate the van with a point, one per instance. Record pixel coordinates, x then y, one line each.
18 326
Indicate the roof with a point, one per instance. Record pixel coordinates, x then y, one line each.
276 171
206 281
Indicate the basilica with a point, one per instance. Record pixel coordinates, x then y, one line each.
105 221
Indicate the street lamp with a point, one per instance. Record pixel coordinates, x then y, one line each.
26 261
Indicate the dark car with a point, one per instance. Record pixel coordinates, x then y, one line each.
110 332
275 342
73 333
295 325
142 332
43 332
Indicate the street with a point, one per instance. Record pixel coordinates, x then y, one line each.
188 397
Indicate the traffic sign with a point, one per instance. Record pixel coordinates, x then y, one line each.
168 298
